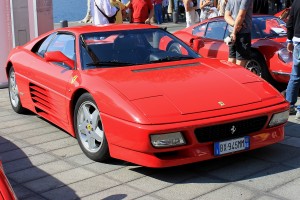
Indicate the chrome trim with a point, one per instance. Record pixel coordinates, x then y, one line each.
281 73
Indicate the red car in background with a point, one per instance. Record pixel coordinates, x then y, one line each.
269 57
284 14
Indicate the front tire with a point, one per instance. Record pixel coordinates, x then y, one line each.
14 97
89 129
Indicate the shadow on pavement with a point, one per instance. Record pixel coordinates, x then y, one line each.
277 161
24 176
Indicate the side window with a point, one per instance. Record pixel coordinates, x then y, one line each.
64 43
256 30
216 30
42 48
199 30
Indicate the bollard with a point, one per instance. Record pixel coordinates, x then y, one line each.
64 23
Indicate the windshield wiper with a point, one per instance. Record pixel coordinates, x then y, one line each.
173 58
109 63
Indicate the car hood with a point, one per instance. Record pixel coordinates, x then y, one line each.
187 87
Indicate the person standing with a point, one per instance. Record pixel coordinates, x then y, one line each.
288 3
261 6
165 5
293 45
98 7
141 11
221 7
238 14
122 7
207 7
158 10
278 5
190 12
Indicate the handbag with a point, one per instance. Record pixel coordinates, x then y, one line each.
111 19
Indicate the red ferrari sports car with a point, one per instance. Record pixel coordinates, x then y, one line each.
124 94
270 59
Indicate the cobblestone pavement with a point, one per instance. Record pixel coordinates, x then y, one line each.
44 162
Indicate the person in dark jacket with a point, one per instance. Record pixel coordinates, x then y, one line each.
293 45
288 3
261 6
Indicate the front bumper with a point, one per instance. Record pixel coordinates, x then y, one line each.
131 142
280 76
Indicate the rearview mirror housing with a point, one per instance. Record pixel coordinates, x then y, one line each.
196 44
58 56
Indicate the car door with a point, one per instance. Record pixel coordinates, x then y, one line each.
213 38
51 79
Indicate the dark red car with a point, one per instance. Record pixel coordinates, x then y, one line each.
270 59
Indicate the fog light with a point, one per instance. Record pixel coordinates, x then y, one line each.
167 140
279 118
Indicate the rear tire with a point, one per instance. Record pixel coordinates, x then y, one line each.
258 66
89 129
14 97
265 74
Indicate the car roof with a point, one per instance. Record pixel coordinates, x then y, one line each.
110 27
253 16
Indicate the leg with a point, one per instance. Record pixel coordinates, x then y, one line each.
233 60
157 10
159 13
241 62
243 48
164 13
292 90
232 53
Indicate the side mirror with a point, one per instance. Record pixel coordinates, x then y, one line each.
57 56
196 44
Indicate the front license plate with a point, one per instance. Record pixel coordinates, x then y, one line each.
230 146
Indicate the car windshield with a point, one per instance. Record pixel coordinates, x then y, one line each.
132 47
268 27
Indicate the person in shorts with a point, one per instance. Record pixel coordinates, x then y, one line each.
238 14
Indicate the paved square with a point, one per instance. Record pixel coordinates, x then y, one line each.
43 162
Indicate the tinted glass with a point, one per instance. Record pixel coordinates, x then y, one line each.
132 47
64 43
267 27
42 49
216 30
199 30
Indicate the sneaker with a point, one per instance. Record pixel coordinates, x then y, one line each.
293 110
297 117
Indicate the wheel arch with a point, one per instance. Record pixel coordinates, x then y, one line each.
73 102
257 52
8 67
267 76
